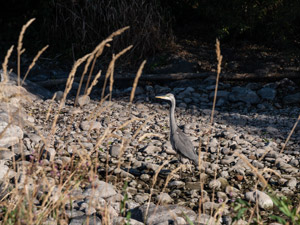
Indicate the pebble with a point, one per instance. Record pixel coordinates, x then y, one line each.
90 125
83 100
164 198
93 220
100 189
11 135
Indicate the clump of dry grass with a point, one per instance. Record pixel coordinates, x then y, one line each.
44 180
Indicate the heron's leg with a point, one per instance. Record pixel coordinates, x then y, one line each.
180 172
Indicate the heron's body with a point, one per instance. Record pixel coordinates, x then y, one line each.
179 141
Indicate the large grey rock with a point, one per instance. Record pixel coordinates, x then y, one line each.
264 200
90 125
100 189
164 198
267 93
83 100
158 214
241 94
291 99
28 88
121 221
115 150
3 170
220 94
283 166
11 135
6 154
82 220
208 220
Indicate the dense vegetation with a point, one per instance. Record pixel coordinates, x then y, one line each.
76 25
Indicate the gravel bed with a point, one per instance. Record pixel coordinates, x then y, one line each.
125 161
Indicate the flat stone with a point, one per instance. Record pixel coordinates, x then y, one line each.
220 94
59 95
3 170
83 100
90 125
100 189
151 149
291 99
240 94
158 214
11 135
176 183
82 220
164 198
267 93
115 150
121 221
264 200
6 154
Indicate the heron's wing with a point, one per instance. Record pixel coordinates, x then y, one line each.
184 145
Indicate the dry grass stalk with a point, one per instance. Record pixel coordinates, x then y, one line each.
99 51
215 177
50 107
101 139
271 171
4 65
20 51
128 122
95 114
67 89
136 79
83 74
219 213
124 143
33 62
146 135
112 69
219 58
94 55
169 177
153 183
95 81
139 129
290 134
255 170
3 131
298 209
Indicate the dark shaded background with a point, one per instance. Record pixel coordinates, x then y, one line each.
70 26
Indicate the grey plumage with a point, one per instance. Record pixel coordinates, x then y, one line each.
179 141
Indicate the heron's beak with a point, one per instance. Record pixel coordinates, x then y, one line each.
162 97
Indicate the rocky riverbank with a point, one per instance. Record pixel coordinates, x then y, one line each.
107 159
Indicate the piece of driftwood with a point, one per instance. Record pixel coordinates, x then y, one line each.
183 76
258 77
145 77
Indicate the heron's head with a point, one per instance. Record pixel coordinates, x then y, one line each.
168 96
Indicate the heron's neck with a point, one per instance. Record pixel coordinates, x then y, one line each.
173 124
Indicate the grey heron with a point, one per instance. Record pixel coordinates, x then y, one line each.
179 141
